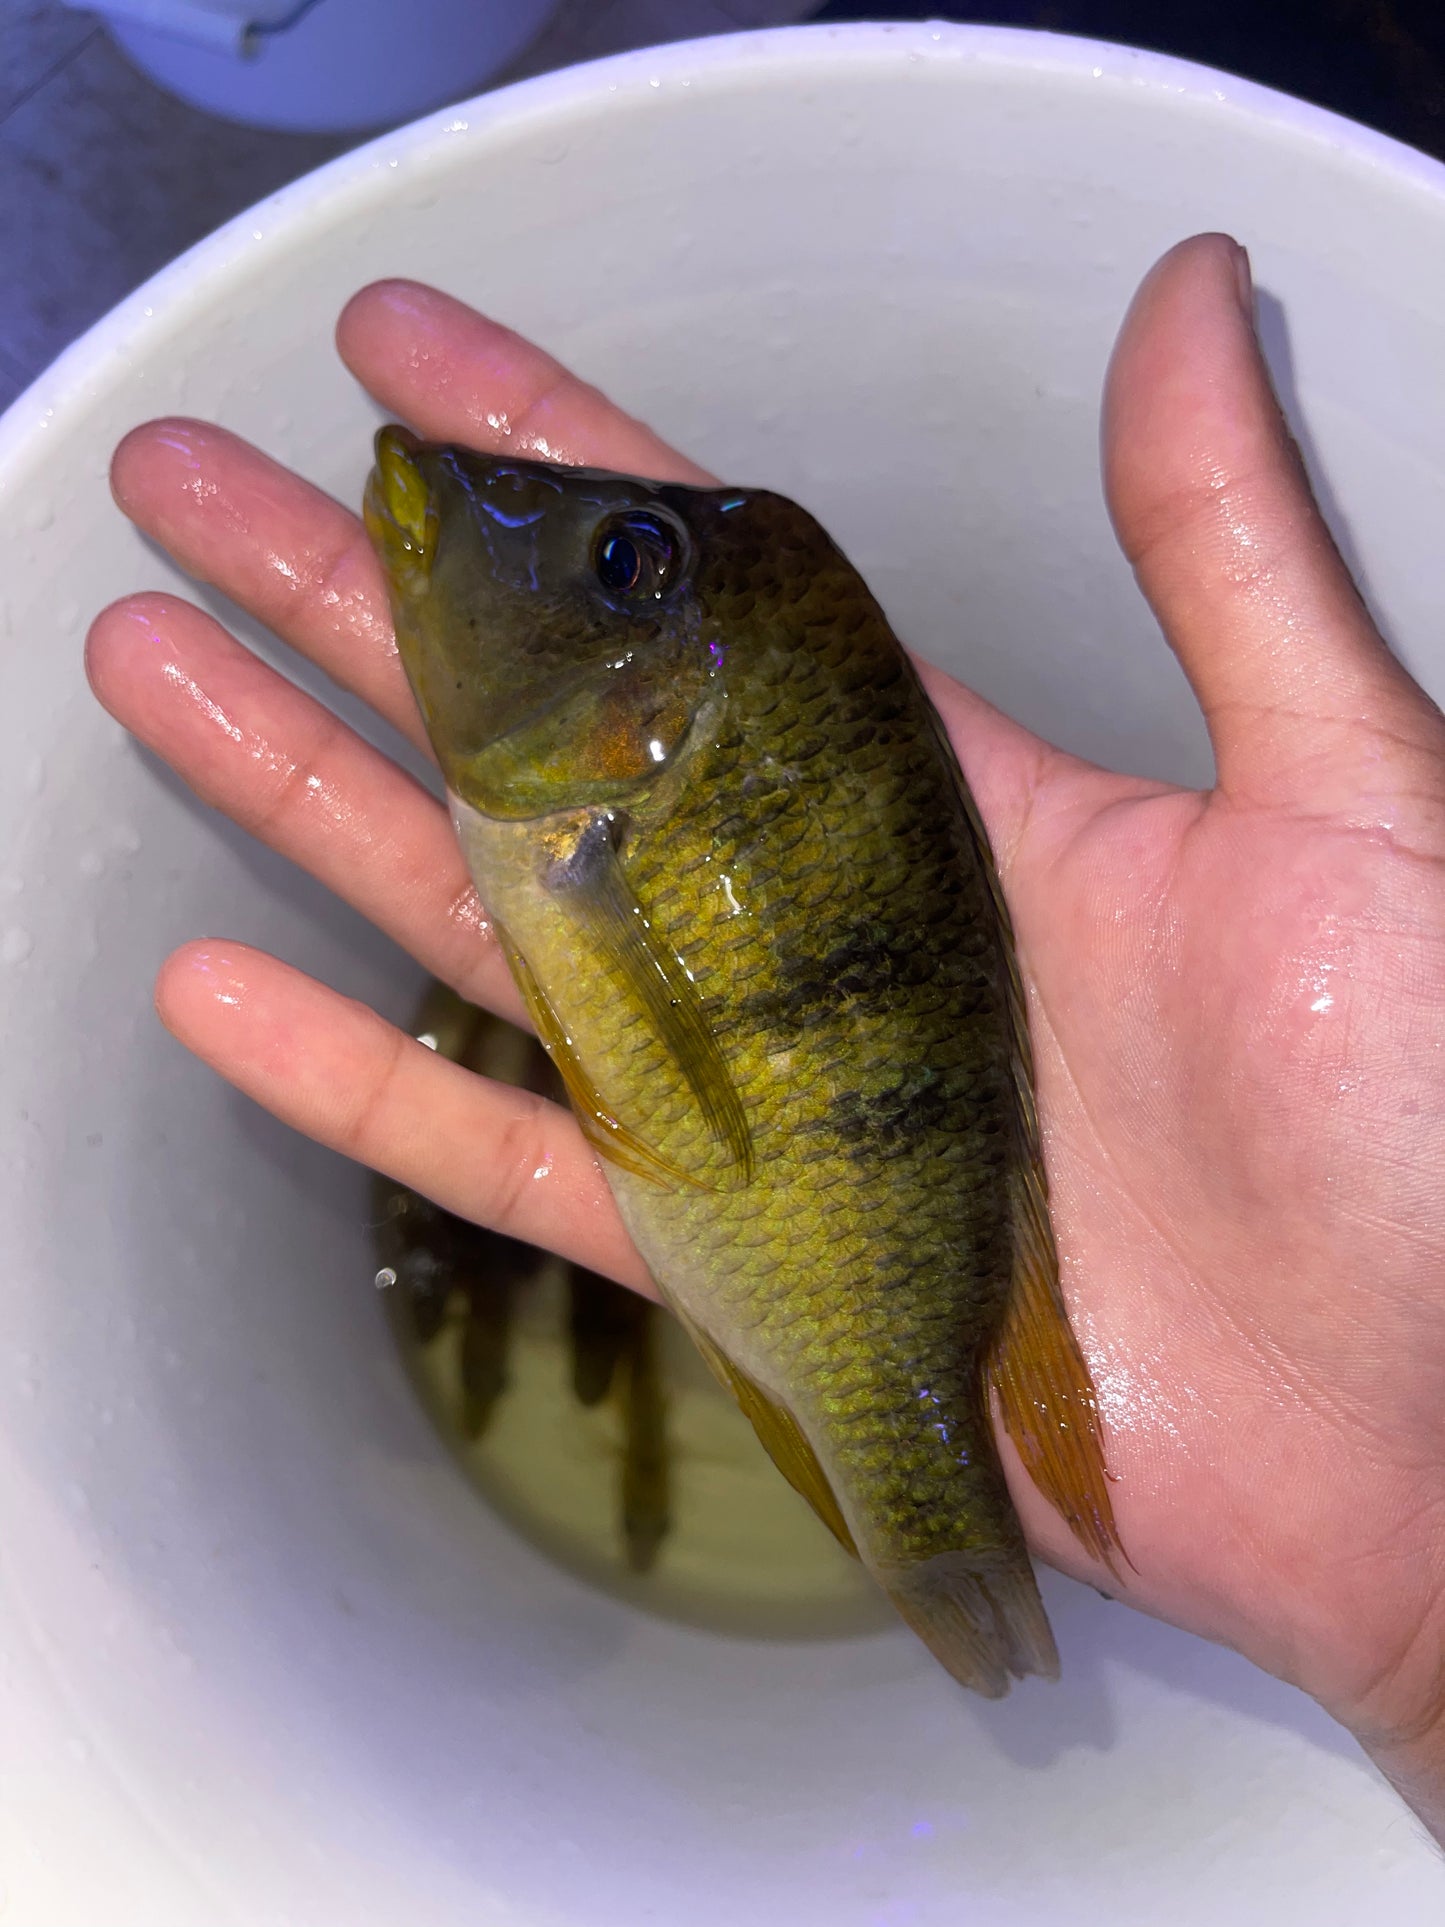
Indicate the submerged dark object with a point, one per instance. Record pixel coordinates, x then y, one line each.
450 1273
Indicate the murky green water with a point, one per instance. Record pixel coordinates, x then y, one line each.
659 1491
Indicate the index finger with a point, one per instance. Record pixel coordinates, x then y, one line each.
457 376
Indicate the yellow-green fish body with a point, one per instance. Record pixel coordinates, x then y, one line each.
752 909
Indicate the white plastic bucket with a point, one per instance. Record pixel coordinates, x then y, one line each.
263 1656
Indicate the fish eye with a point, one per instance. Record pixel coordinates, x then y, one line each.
637 555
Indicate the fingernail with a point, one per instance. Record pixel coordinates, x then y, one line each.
1244 281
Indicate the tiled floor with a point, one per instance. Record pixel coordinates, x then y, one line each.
104 178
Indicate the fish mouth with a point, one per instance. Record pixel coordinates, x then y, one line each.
399 510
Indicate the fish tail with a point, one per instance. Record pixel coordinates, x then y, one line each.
983 1621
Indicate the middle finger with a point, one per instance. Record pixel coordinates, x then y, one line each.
285 551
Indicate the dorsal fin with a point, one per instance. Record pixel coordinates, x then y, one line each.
1043 1385
1036 1369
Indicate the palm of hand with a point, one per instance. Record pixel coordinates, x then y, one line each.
1235 997
1228 1016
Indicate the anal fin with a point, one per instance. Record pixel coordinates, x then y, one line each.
780 1433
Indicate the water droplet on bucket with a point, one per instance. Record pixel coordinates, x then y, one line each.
385 1278
16 945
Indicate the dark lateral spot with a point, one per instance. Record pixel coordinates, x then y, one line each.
894 1118
870 963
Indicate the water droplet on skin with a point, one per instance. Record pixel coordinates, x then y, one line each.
16 945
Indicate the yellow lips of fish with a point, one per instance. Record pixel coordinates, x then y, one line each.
399 512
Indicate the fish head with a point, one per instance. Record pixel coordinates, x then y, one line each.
548 620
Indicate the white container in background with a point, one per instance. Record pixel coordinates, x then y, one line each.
263 1655
321 65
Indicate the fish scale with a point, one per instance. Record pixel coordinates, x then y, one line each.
755 917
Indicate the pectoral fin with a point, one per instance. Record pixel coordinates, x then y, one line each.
608 1136
592 882
780 1433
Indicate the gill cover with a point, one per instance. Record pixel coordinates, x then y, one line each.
545 620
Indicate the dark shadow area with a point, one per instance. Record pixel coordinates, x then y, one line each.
1378 61
1274 336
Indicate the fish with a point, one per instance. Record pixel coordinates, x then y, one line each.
750 905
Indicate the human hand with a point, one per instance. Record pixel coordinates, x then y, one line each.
1237 997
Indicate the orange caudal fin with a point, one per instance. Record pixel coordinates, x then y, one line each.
1043 1385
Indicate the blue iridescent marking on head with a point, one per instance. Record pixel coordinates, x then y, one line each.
498 514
